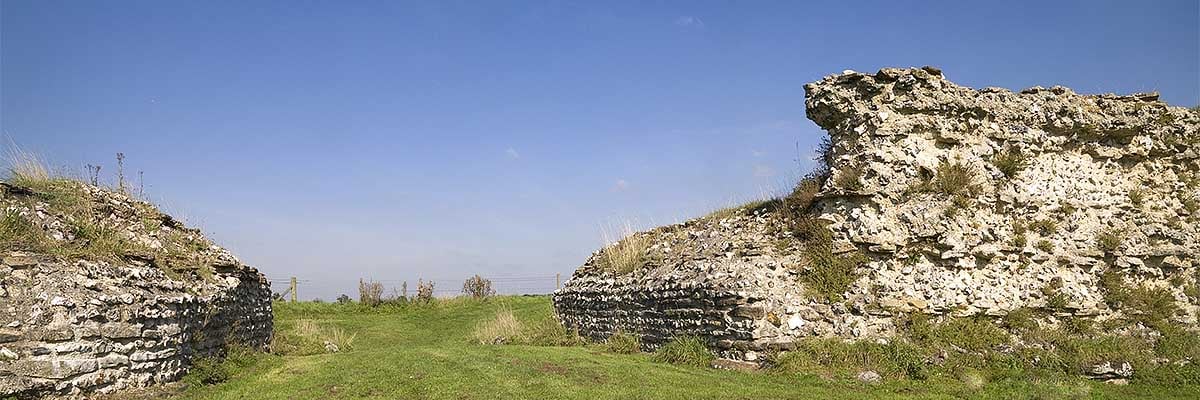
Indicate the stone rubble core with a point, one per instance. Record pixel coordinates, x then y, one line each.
1094 164
73 329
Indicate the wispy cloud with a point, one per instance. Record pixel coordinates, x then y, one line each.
688 21
620 186
763 171
512 153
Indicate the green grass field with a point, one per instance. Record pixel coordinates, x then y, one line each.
428 352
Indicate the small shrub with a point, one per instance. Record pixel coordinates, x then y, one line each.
424 292
957 203
1113 284
19 233
1080 353
954 178
623 343
976 334
1019 240
823 157
1010 162
1153 306
478 288
1137 197
207 371
1066 209
1165 118
685 350
1190 204
804 193
370 293
1109 240
1044 227
1056 301
1178 343
1020 320
1078 325
343 299
825 274
850 178
1044 245
830 275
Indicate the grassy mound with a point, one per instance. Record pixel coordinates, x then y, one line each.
73 220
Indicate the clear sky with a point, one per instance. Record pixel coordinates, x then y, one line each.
399 140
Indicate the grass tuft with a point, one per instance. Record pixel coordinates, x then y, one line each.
307 337
1137 197
1020 320
26 168
1044 245
623 343
894 360
685 350
19 233
1010 162
1109 240
954 178
506 328
1152 306
503 328
850 178
625 255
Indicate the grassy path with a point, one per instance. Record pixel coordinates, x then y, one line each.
426 353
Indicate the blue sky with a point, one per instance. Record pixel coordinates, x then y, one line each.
397 140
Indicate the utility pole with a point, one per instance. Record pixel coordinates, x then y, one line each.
558 281
293 290
404 289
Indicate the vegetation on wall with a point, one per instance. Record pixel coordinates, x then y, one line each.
92 223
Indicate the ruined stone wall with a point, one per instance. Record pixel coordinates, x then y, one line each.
74 329
1059 190
722 278
1103 183
657 310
